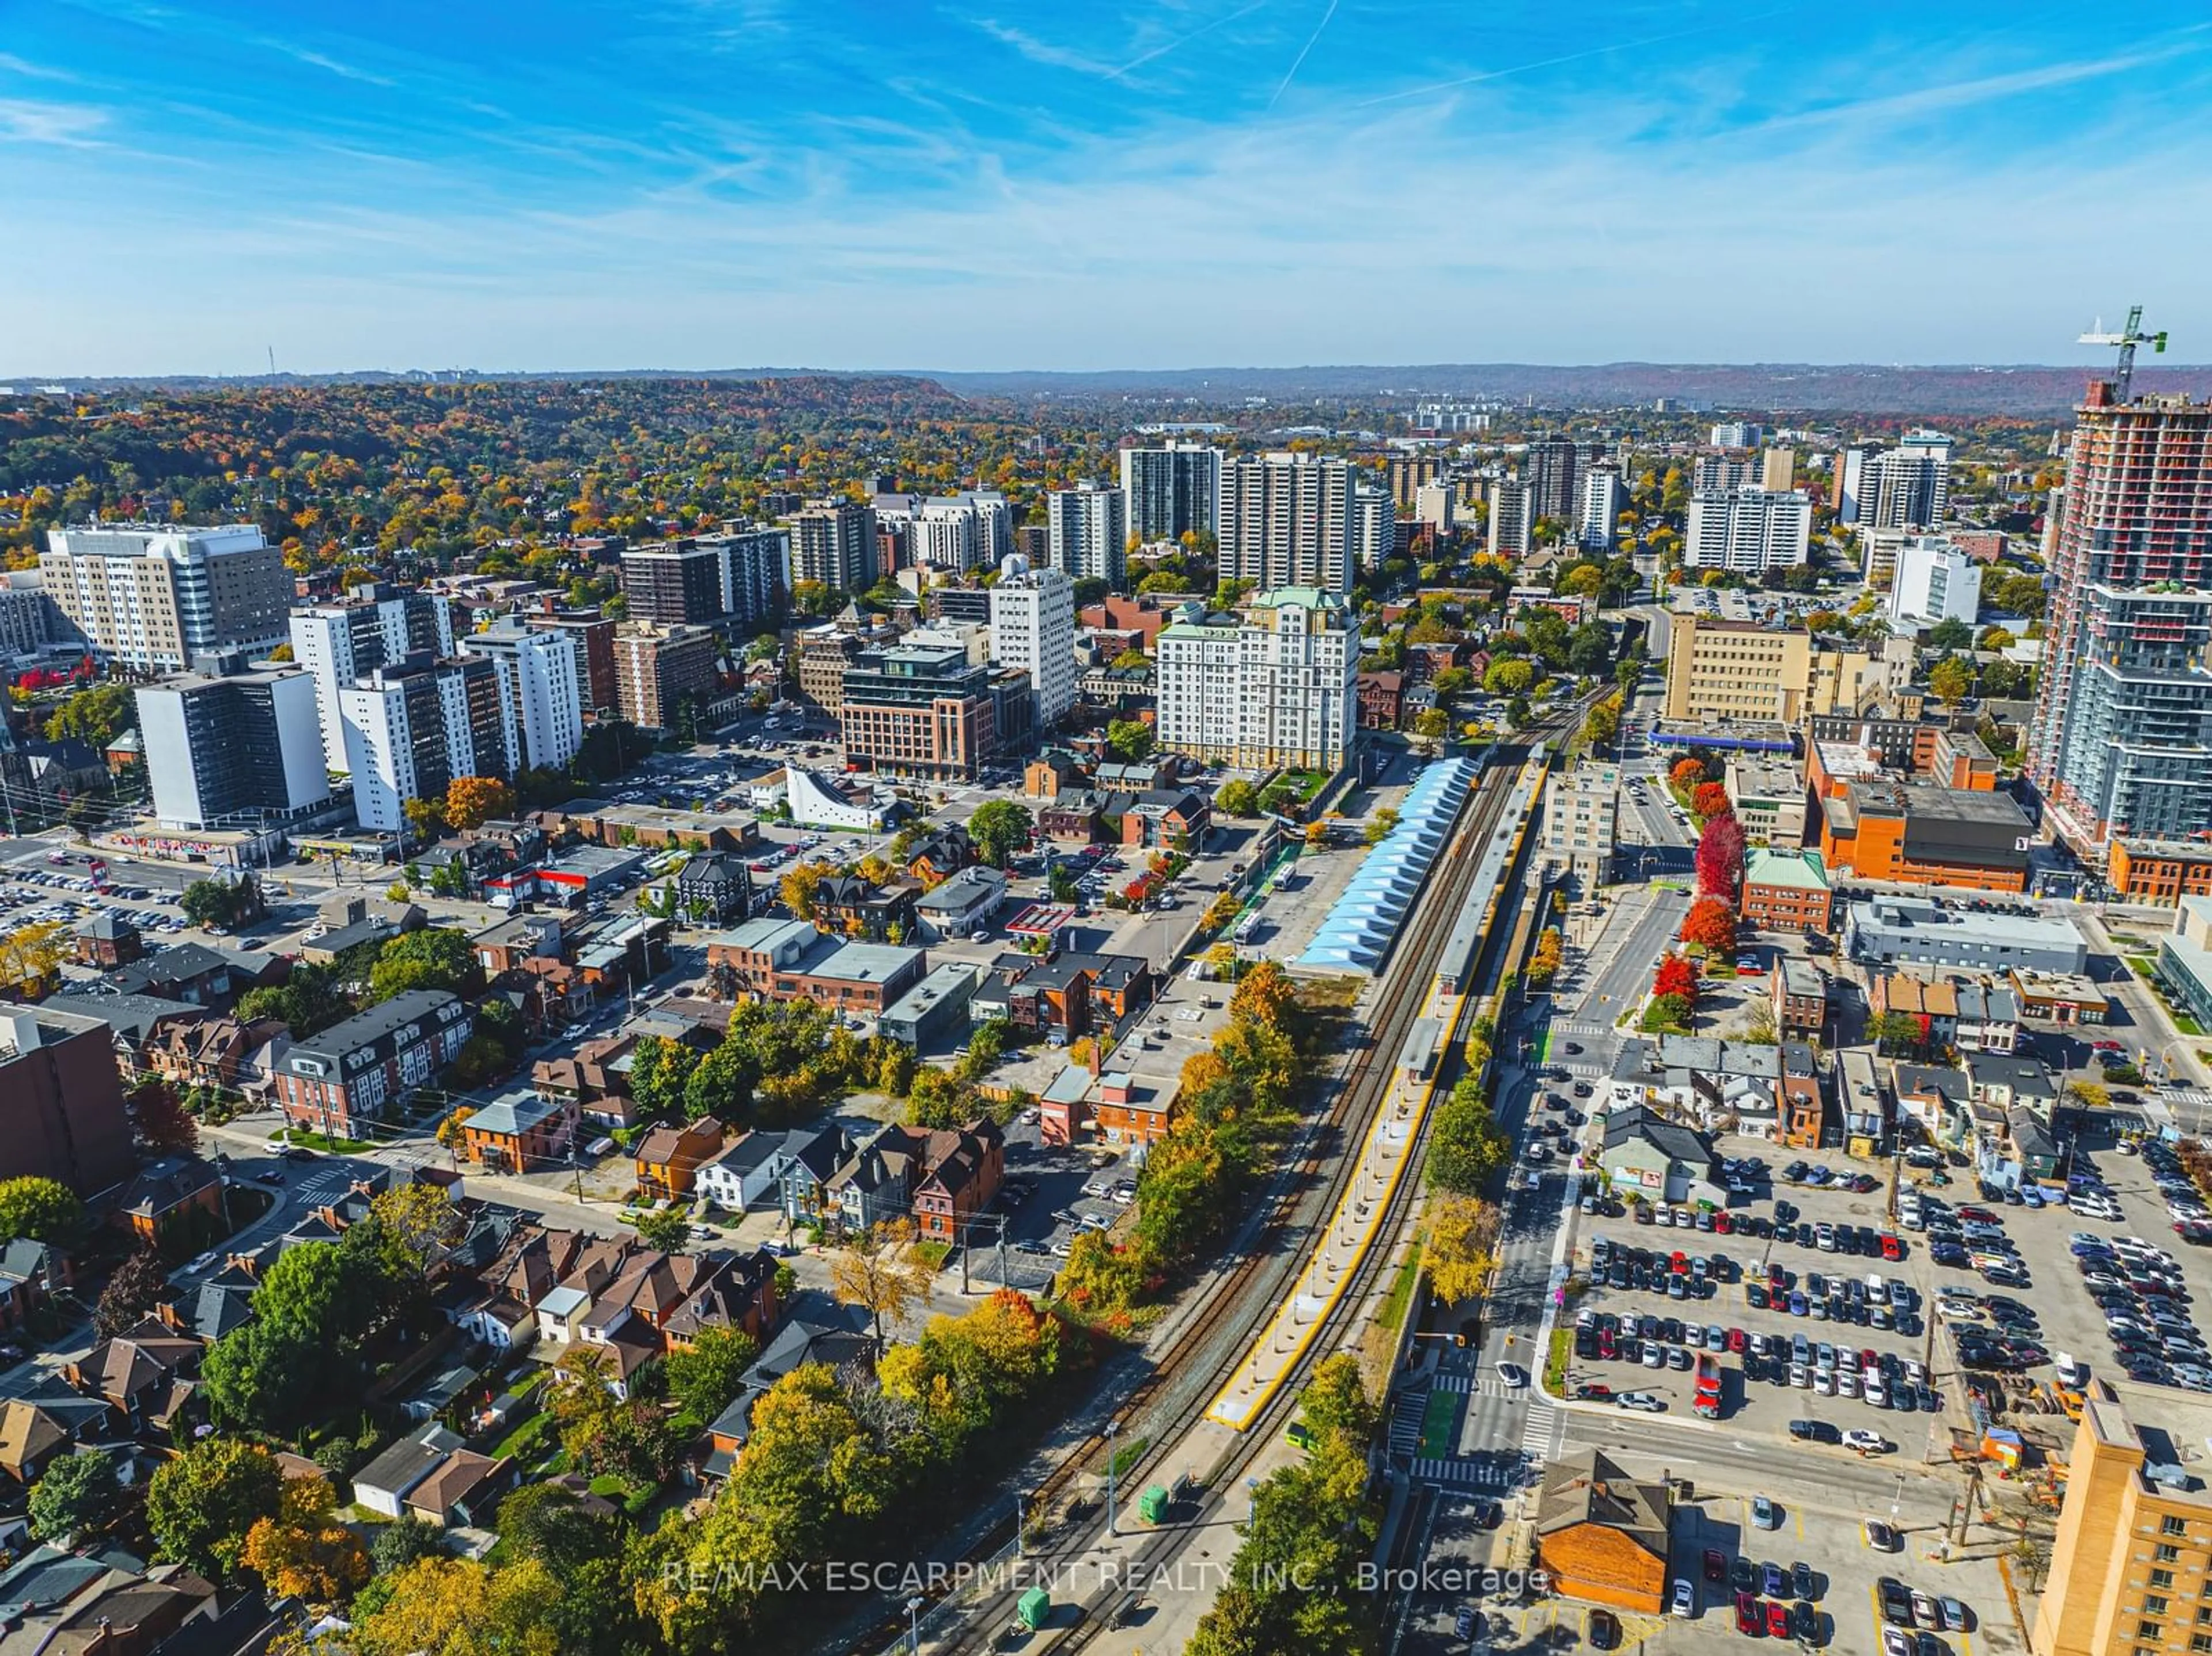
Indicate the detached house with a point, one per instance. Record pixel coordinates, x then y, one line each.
965 1168
668 1158
594 1082
850 906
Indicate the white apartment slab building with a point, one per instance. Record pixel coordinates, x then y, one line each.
1581 817
1934 582
1276 685
336 644
1087 533
1033 628
1747 530
160 598
541 682
1172 491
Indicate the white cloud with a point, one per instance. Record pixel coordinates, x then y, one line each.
67 125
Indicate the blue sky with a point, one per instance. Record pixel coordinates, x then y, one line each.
1002 183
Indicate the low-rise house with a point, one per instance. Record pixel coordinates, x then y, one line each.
965 1167
503 948
385 1484
175 1203
1801 997
960 905
790 1170
1133 1109
524 1133
741 1294
796 1344
935 1010
31 1440
29 1270
1166 819
1727 1085
594 1082
668 1158
849 906
219 1052
1659 1160
1974 1016
108 940
101 1601
144 1378
2010 1081
200 976
1803 1115
876 1183
137 1024
357 1070
939 853
714 889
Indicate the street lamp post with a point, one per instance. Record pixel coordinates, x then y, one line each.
1112 1426
914 1624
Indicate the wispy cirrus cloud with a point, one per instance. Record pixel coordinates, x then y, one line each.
1042 51
70 126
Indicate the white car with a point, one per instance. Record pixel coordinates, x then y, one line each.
1513 1374
1865 1442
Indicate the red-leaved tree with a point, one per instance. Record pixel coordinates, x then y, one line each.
161 1120
1686 772
1676 976
1709 800
1710 926
1720 857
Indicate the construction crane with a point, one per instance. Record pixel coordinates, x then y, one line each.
2127 339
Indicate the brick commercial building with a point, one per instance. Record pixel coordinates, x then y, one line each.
358 1068
1602 1535
919 710
2128 1565
2158 870
789 960
1966 837
1800 997
1787 891
61 1101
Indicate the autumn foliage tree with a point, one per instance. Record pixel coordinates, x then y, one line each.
472 801
1720 857
1709 800
1676 976
304 1551
1687 773
161 1120
1710 926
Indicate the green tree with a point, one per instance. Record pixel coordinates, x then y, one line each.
96 715
42 1210
668 1231
79 1495
1466 1143
392 1547
201 1505
721 1084
707 1376
1131 739
1507 677
210 903
999 828
1950 634
434 957
1950 679
660 1070
1237 798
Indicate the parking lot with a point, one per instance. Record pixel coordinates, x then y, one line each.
1746 1565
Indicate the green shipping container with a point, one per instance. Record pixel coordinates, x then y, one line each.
1036 1606
1153 1505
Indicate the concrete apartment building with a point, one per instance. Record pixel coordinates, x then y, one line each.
1549 468
919 710
595 651
673 582
1033 628
1581 809
1276 685
61 1101
1934 582
2117 744
1087 533
1173 490
338 644
1729 670
542 684
1512 519
158 597
833 542
1769 796
242 751
2128 1564
1604 497
657 668
1907 487
409 731
1286 521
1747 530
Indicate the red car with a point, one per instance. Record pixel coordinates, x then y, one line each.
1892 1247
1716 1564
1981 1215
1777 1619
1737 1340
1679 1265
1748 1618
1723 1224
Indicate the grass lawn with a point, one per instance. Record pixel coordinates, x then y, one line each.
528 1441
1393 1314
314 1141
1128 1455
1439 1425
1555 1360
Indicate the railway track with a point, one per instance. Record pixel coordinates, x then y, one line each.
1173 1395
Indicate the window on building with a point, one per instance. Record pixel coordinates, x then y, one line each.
2173 1527
2161 1578
2154 1603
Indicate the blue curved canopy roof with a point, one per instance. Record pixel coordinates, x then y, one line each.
1363 923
